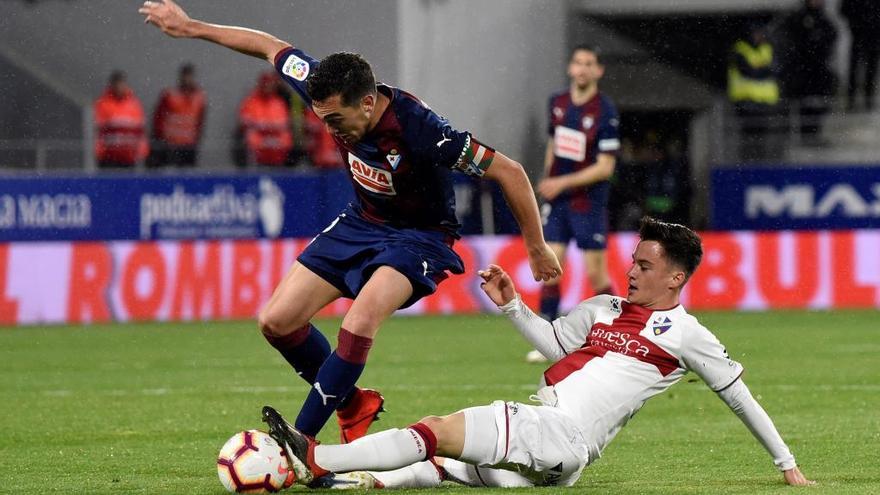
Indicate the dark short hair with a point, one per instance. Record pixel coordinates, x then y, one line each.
346 74
586 47
187 69
681 245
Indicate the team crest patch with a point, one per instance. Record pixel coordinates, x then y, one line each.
371 178
393 159
296 68
588 122
661 325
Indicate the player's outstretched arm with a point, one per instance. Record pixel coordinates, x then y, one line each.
740 400
175 22
518 193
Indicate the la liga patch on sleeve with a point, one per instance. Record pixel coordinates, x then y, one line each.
296 68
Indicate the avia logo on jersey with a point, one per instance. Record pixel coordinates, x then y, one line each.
621 342
802 201
371 178
661 324
296 68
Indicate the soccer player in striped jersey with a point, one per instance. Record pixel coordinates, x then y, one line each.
393 244
610 355
579 161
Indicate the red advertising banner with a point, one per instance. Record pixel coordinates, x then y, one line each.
77 282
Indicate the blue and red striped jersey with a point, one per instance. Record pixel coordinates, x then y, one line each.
580 133
401 169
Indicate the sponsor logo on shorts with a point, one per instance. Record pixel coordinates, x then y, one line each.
553 475
296 68
371 178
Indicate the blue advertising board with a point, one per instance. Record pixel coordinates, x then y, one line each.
167 207
783 197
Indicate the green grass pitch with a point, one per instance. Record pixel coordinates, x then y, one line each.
145 408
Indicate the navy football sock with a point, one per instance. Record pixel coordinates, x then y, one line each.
305 349
550 296
335 380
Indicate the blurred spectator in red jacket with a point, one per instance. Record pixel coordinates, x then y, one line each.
119 121
264 123
178 121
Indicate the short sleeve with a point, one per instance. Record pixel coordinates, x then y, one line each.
551 129
608 134
704 355
295 66
434 141
573 329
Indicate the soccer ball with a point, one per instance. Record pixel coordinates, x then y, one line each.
253 462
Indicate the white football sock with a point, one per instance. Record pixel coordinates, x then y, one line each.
418 475
383 451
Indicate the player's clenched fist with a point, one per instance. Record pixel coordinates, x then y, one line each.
167 16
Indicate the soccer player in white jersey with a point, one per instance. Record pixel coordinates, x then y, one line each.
610 356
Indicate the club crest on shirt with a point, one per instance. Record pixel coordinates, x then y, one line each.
371 178
588 122
393 159
661 324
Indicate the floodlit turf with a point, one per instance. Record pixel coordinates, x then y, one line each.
145 408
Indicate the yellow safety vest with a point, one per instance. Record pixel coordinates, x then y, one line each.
742 88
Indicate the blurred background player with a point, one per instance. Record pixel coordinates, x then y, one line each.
578 163
610 354
120 141
393 244
178 121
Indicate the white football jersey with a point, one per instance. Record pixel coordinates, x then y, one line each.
618 355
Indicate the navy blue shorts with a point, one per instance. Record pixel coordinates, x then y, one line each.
351 248
561 224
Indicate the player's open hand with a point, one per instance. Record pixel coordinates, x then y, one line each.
551 187
794 477
543 262
167 16
497 284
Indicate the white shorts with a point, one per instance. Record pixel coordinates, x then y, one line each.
541 443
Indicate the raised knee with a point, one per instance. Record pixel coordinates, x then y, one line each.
272 325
